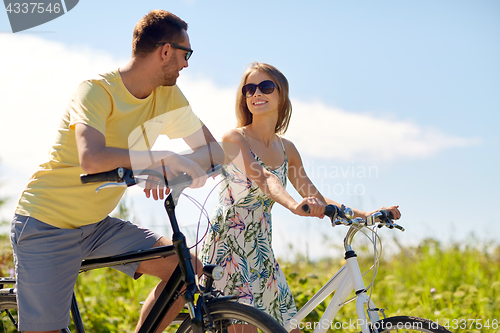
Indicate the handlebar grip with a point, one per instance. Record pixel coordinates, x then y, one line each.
330 210
109 176
387 214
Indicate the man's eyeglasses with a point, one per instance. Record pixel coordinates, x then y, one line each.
266 87
180 47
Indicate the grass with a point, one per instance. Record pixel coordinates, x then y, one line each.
452 284
455 285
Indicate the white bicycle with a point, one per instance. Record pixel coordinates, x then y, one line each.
349 279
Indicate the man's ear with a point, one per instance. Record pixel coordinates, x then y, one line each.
165 51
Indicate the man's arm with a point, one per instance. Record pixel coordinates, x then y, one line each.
206 151
96 157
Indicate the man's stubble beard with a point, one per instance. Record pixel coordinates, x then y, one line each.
169 75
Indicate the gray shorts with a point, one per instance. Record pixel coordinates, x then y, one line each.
48 259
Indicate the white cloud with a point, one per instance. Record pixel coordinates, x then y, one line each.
327 132
39 76
214 105
37 80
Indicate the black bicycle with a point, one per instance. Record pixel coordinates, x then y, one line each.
207 311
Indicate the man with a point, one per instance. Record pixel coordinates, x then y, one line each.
109 122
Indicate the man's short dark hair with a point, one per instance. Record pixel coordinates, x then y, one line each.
155 27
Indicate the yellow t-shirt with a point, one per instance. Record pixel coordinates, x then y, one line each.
54 193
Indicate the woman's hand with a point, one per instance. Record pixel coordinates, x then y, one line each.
316 207
393 209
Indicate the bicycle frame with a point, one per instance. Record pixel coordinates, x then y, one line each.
183 279
150 254
346 280
184 274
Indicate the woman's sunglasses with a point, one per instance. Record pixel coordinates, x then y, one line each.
266 87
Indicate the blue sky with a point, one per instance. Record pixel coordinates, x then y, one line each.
395 102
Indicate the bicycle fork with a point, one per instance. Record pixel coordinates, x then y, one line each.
347 279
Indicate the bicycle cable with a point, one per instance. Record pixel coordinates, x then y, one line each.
203 212
376 256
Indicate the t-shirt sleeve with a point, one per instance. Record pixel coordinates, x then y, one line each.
182 121
90 105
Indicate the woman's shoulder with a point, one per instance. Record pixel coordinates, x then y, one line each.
291 151
233 135
289 146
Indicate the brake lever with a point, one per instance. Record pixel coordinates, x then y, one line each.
347 212
397 226
340 221
358 221
372 219
384 221
344 216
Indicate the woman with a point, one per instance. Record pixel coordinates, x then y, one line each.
239 239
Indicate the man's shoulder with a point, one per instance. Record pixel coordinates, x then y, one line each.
110 76
107 78
102 79
100 85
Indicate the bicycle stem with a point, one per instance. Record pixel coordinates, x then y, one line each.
185 263
349 237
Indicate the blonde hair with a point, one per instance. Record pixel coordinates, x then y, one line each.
244 116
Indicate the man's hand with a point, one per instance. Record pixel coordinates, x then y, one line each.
179 164
172 167
156 187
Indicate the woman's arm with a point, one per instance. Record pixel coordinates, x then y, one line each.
267 182
299 179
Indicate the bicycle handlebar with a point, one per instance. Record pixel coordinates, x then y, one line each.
344 215
125 177
116 175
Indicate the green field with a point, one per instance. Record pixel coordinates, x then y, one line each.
455 284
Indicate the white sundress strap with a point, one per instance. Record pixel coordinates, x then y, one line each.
283 146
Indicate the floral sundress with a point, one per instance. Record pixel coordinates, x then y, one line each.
240 240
